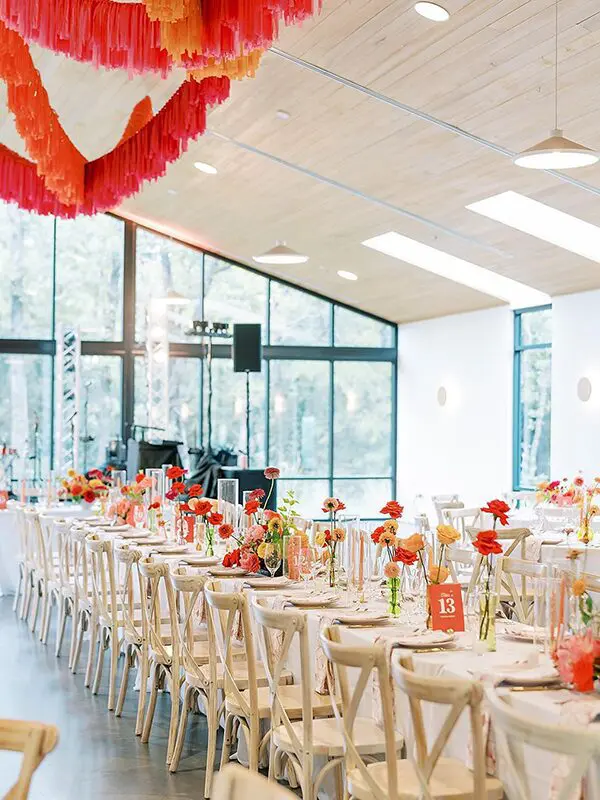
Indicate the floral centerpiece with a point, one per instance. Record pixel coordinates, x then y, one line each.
385 536
85 488
133 496
487 545
331 538
561 493
577 659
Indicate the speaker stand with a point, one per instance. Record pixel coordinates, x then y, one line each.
248 416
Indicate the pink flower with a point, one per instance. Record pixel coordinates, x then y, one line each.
255 535
272 473
257 494
249 561
391 570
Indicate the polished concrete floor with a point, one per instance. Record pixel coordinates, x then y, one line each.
98 755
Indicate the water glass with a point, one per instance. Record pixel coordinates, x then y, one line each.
272 557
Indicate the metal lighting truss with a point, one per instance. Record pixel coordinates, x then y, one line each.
157 365
68 379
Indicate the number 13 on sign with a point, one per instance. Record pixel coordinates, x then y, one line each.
445 601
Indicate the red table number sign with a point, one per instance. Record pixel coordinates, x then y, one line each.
445 600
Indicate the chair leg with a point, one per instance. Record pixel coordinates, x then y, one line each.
254 745
148 719
46 611
26 599
227 742
124 681
187 699
93 630
74 634
212 722
62 622
139 721
36 605
78 642
100 664
18 589
174 686
114 665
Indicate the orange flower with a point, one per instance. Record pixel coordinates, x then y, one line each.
438 574
578 587
499 510
391 525
414 543
387 539
174 473
405 556
338 535
199 507
392 509
391 570
446 534
486 543
195 490
251 507
375 536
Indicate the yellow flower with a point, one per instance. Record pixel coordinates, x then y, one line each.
391 525
446 534
262 549
438 574
71 473
320 538
275 525
338 535
96 483
578 587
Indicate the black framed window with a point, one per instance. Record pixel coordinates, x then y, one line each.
322 409
532 390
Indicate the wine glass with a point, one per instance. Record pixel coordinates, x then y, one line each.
306 564
272 557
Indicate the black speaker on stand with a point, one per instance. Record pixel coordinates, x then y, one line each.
247 357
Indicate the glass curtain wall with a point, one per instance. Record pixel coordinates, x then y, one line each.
532 397
322 408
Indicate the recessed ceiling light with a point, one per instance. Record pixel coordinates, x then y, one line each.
519 295
280 254
282 114
349 276
432 11
204 167
542 221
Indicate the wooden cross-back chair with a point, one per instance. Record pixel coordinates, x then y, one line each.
162 635
35 740
443 501
28 530
47 577
462 519
85 612
517 544
513 730
297 738
519 596
66 601
23 563
108 620
367 660
236 783
427 774
461 561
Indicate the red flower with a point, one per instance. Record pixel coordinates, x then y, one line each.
139 477
89 496
232 559
76 489
486 543
251 507
553 485
125 490
195 490
199 507
257 494
170 495
579 481
249 561
225 531
272 473
392 509
155 504
214 518
377 533
499 509
327 535
405 556
174 473
178 486
185 507
95 473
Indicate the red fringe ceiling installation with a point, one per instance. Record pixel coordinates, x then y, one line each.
141 114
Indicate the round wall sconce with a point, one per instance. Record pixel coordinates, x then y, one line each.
442 396
584 389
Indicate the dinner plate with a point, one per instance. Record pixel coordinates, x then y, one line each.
523 633
171 549
362 618
424 639
311 600
147 540
523 675
267 583
227 572
201 561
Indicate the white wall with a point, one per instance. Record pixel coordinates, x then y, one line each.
465 446
575 354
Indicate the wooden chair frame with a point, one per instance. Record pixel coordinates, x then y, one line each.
236 783
85 610
35 740
507 567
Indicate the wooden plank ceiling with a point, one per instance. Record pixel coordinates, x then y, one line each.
488 71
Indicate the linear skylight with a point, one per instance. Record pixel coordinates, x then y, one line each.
542 221
519 295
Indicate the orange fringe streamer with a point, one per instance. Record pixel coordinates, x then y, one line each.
166 10
57 158
236 69
141 114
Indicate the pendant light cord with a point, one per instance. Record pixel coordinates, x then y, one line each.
555 64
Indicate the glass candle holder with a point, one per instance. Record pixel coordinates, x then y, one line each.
228 490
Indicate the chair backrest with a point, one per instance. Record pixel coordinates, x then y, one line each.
507 567
277 632
29 517
102 571
154 576
237 783
520 499
35 740
189 598
513 730
43 526
21 518
364 660
81 563
458 559
127 578
461 695
225 611
444 501
64 546
462 519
